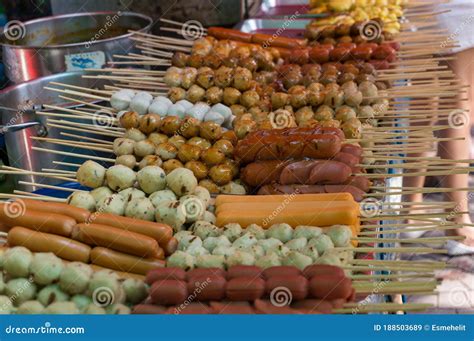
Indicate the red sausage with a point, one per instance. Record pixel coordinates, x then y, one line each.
297 172
262 172
201 272
221 33
362 53
299 56
352 149
330 287
245 289
329 172
266 307
165 273
322 269
207 288
319 55
346 158
237 271
297 285
168 291
282 270
339 54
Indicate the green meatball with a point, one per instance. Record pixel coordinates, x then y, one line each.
181 260
209 217
203 194
6 305
45 268
50 294
240 258
269 243
268 261
297 259
197 250
62 308
74 278
169 212
283 232
189 241
224 251
30 308
246 241
297 244
211 243
308 232
81 302
135 290
20 290
329 259
17 262
321 243
340 235
210 261
182 234
232 231
204 229
280 250
256 250
93 309
257 231
181 181
310 251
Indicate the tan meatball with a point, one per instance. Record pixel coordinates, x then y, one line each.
157 138
334 98
170 165
130 119
209 185
238 110
324 113
170 125
210 131
189 77
123 146
223 76
166 151
189 152
195 61
195 93
176 94
177 140
244 126
205 77
352 128
198 168
149 123
299 98
242 79
231 96
345 113
201 47
200 142
212 156
240 52
150 160
144 148
225 146
249 98
221 174
279 100
190 127
127 160
214 95
303 115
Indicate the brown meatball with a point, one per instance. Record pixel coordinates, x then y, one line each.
223 76
249 64
195 61
234 166
221 174
231 96
179 59
299 98
292 78
150 160
188 77
130 119
205 77
190 127
303 115
212 156
242 79
224 146
195 93
213 60
149 123
198 168
214 95
229 135
249 98
170 125
189 152
171 165
177 140
210 131
244 126
200 142
279 100
231 62
157 138
176 94
166 151
240 52
209 185
238 110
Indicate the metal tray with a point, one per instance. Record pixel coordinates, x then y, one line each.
288 27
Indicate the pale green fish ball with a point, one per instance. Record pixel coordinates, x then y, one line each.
121 296
50 294
209 217
189 241
297 259
245 241
283 232
164 195
141 209
151 179
181 260
74 278
120 100
20 290
45 268
322 243
168 212
30 308
211 243
232 188
6 305
232 231
134 134
120 177
308 232
203 194
181 181
280 250
106 273
100 193
310 251
118 309
268 261
83 200
81 302
340 235
62 308
256 230
114 204
240 258
224 251
182 234
135 290
329 260
132 193
210 261
296 244
204 229
91 174
93 309
256 250
269 243
16 261
197 251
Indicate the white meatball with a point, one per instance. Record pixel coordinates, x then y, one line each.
214 117
140 208
163 99
176 110
144 148
140 104
181 181
132 193
120 100
82 200
151 179
144 95
203 194
127 160
99 193
91 174
198 111
160 196
123 146
224 110
185 104
114 204
158 108
135 135
120 177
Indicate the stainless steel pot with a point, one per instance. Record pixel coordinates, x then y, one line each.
19 125
69 42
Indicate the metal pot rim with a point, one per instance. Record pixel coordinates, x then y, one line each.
71 15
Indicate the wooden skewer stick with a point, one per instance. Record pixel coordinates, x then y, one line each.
69 164
77 93
103 92
10 196
86 138
437 240
58 188
91 157
396 231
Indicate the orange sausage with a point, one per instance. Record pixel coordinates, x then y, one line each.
270 40
117 239
79 214
64 248
171 246
35 220
222 33
162 233
122 262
